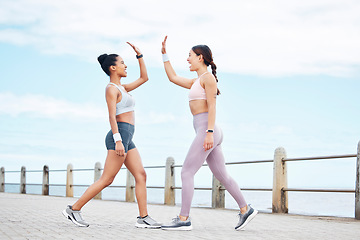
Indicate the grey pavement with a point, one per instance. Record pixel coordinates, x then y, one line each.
39 217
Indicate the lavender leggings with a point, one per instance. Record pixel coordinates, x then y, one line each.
214 158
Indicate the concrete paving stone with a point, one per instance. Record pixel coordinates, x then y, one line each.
26 216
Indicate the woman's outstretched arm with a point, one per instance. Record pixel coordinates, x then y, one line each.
170 72
143 72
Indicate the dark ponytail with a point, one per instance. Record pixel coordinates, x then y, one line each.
106 61
213 68
208 59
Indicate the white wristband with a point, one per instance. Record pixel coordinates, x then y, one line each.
165 57
117 137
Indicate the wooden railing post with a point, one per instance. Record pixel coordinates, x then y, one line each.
23 180
279 196
97 175
130 187
45 183
69 181
2 179
357 184
218 194
169 191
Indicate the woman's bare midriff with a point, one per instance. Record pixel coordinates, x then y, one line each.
128 117
198 106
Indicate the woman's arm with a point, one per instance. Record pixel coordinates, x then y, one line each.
211 94
111 97
170 72
143 72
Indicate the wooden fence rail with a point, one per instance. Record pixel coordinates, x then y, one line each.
279 191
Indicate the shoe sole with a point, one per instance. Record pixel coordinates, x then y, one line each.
72 219
183 228
138 225
251 217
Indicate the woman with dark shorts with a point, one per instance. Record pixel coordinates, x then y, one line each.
119 143
207 143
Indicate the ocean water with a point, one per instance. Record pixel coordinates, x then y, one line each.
304 203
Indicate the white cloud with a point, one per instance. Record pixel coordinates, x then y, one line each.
41 106
249 37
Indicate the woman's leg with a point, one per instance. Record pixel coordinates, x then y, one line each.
216 163
112 166
194 160
134 165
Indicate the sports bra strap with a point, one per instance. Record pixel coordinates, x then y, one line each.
202 74
114 84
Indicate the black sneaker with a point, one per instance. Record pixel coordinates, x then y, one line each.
74 216
245 218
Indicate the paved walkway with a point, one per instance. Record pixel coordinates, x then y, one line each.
39 217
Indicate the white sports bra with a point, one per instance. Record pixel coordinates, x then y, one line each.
127 103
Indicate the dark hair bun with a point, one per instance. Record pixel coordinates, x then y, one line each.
102 58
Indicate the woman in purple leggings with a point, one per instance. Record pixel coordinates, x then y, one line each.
207 143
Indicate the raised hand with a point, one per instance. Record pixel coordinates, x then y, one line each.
163 49
136 49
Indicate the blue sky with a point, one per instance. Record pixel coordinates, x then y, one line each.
288 73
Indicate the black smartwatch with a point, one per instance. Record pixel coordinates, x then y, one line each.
140 56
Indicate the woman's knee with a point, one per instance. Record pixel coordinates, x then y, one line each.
106 181
186 174
225 179
141 176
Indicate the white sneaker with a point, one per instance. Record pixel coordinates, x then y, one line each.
147 222
74 216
